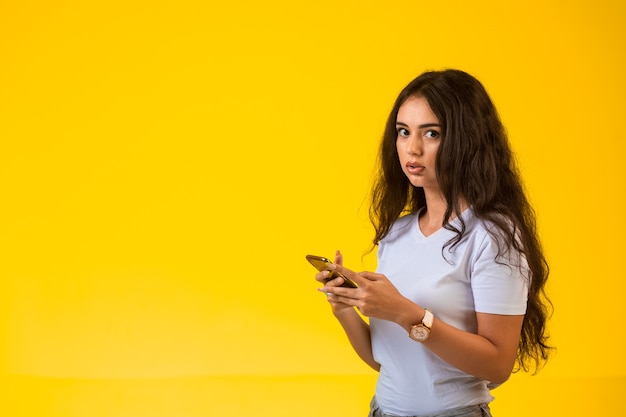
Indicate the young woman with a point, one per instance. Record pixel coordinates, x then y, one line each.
457 300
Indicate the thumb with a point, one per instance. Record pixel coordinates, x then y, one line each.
338 257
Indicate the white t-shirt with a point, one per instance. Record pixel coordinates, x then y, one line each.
412 379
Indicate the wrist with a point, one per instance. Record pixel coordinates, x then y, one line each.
410 315
344 313
420 332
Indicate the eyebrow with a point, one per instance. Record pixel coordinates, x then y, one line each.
422 126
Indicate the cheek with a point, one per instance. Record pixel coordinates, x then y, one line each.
401 145
434 151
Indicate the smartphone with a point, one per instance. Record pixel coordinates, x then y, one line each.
322 263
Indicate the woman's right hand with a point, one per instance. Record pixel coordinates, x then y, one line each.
323 276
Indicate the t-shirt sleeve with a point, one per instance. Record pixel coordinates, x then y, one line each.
499 286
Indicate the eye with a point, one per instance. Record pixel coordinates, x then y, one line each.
432 134
402 131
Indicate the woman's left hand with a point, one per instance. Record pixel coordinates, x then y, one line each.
375 296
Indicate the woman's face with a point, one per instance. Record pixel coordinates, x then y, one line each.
418 138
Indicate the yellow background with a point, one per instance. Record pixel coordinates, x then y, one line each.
166 165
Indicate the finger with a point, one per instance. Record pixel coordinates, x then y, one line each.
372 276
322 276
329 278
342 293
338 257
336 281
348 273
336 299
330 286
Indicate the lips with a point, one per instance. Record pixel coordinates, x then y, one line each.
414 168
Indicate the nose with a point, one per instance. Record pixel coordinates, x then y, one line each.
414 145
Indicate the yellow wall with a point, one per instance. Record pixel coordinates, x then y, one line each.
166 165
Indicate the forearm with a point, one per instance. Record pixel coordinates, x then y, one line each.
358 332
471 353
488 355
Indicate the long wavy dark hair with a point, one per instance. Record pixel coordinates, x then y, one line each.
475 164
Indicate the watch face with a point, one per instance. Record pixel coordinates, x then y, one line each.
419 333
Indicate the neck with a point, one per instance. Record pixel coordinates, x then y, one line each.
436 206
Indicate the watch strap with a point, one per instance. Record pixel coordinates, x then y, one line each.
428 319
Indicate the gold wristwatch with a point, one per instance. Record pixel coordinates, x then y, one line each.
421 331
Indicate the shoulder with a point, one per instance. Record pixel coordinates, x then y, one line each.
493 231
492 242
482 237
